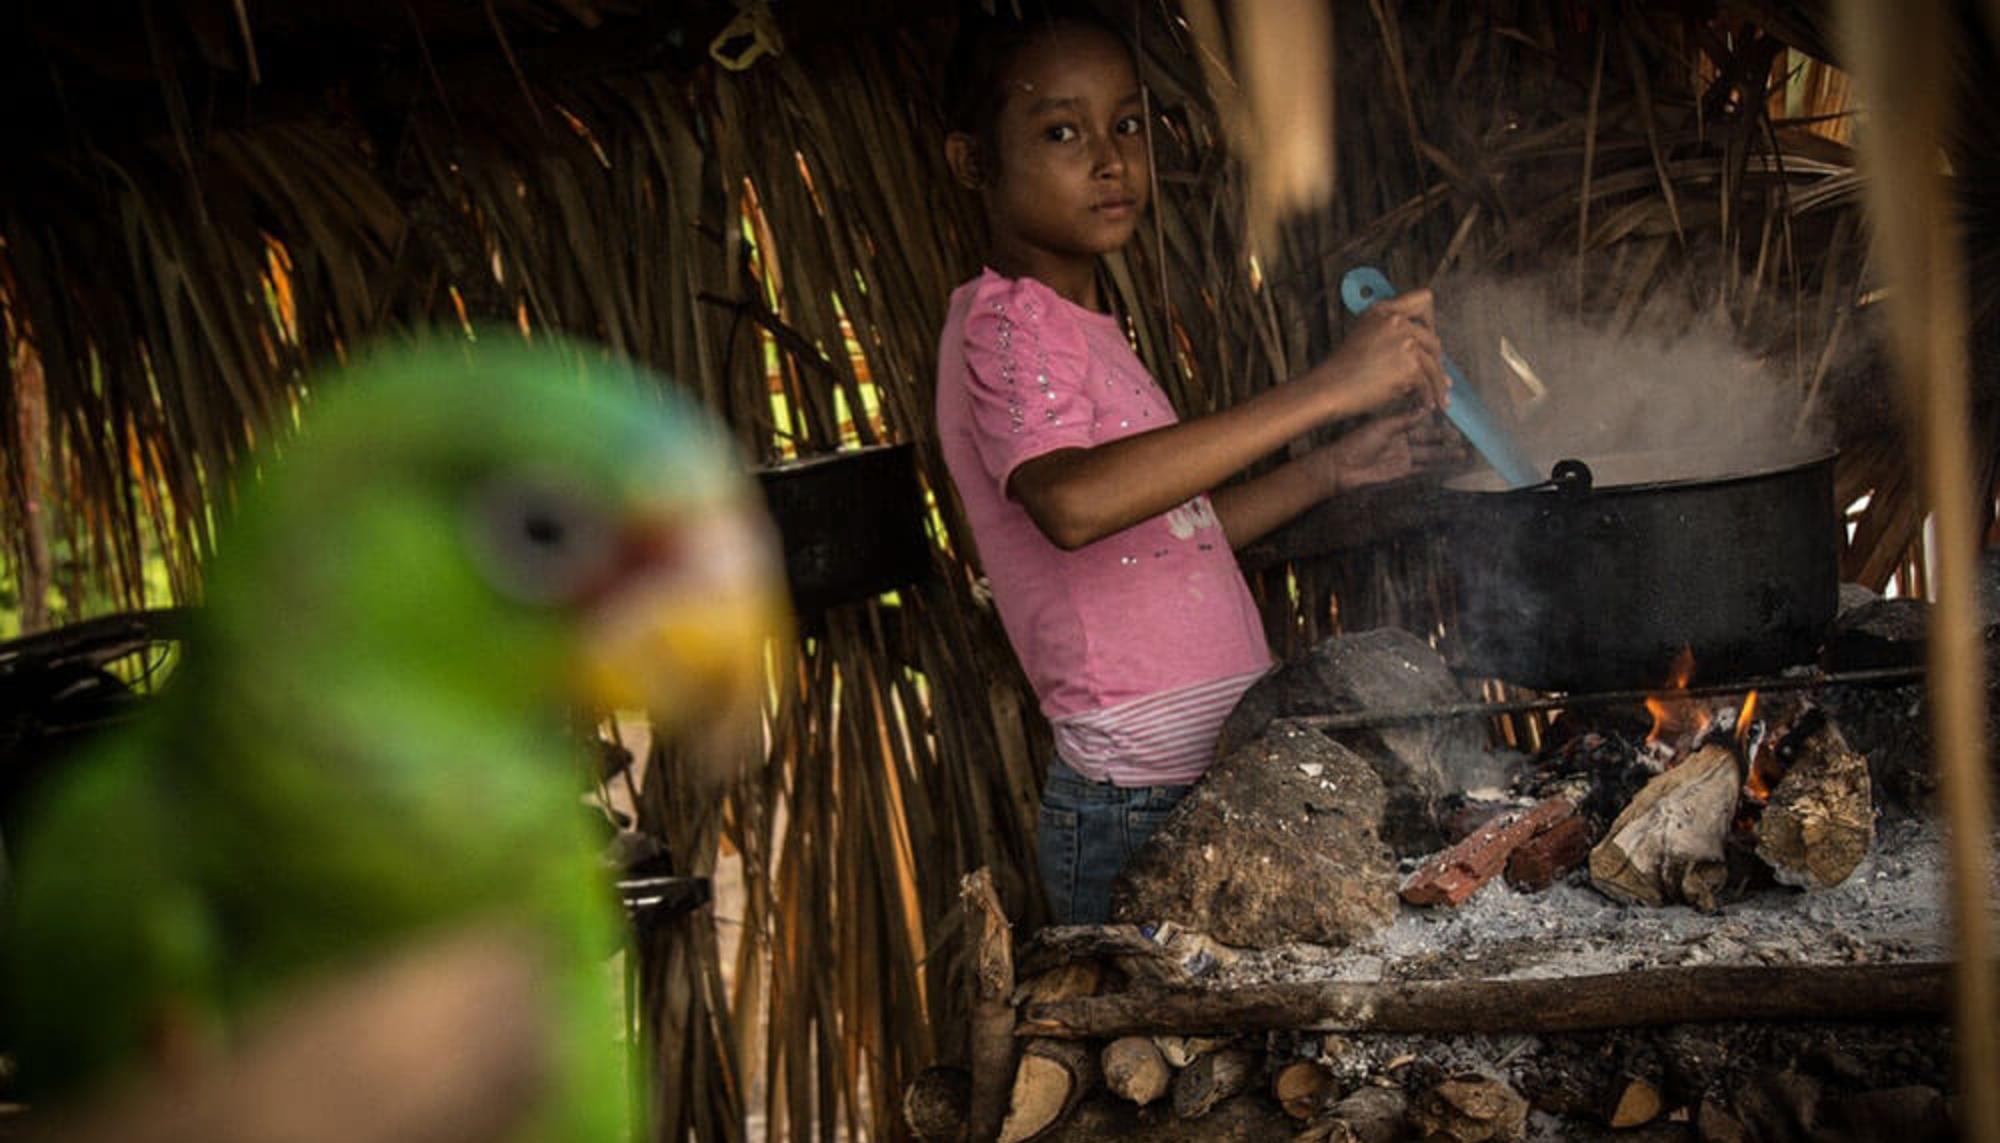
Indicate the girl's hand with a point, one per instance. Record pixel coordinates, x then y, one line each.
1386 447
1393 355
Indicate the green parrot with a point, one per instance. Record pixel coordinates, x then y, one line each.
366 741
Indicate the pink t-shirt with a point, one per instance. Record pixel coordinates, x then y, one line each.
1159 607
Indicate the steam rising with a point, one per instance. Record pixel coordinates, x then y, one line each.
1670 382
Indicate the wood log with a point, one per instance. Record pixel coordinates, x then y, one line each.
1180 1051
1170 957
1714 1124
1820 820
1135 1070
1053 946
1211 1079
1372 1114
1549 855
1638 1102
991 1036
1053 1076
1470 1109
1197 954
1667 845
1452 876
1248 1117
1301 1087
936 1104
1913 1112
1684 994
1077 978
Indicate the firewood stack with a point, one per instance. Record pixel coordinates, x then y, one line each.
1169 1087
1696 1080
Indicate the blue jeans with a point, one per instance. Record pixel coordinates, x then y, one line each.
1085 833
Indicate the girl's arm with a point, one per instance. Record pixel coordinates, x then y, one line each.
1079 495
1387 447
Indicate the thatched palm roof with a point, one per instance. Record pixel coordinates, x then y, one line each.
200 199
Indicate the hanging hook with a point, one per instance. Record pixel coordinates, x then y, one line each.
752 35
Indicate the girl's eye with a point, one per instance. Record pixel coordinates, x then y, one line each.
1130 125
1061 133
538 542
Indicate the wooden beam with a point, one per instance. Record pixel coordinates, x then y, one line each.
1700 994
992 1048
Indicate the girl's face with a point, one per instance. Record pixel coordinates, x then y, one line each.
1073 170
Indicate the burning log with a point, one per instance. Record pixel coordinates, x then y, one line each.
1458 872
1820 820
1667 845
1134 1069
1053 1077
1550 854
1470 1109
1211 1079
1373 1114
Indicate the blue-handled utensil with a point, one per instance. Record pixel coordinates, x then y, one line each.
1362 287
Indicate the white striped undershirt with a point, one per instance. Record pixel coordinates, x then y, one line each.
1164 739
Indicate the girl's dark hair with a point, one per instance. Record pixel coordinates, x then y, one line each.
987 45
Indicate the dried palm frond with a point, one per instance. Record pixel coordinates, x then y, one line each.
782 241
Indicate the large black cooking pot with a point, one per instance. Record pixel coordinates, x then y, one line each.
1595 579
851 522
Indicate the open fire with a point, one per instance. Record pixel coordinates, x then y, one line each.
1681 725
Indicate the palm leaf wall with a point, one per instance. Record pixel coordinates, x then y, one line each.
788 230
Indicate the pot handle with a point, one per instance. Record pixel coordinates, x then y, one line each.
1571 477
1568 477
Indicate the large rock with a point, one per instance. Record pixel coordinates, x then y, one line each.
1890 724
1879 633
1277 843
1384 669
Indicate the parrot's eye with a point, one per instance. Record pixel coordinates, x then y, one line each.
539 543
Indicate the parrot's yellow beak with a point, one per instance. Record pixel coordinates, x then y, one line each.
684 637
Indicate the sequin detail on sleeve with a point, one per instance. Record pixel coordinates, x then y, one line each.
1003 340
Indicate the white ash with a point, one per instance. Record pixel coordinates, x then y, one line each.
1892 909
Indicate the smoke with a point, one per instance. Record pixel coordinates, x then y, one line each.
1664 392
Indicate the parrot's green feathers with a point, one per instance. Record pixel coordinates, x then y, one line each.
366 741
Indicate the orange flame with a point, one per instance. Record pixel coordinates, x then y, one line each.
1758 764
1675 714
1754 785
1743 717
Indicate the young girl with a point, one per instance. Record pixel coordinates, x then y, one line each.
1110 559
